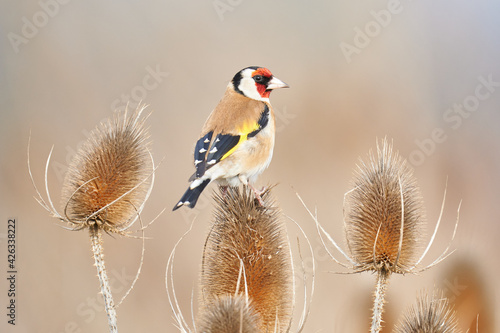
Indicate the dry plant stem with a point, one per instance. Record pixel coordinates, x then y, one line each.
378 303
96 241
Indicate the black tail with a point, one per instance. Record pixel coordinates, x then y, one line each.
191 196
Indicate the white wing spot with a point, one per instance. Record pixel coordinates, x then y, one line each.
211 162
206 141
202 150
213 150
196 162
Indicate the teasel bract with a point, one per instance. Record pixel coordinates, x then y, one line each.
106 187
430 314
229 314
383 220
109 178
384 214
247 254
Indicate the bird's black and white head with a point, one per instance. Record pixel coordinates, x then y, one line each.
256 83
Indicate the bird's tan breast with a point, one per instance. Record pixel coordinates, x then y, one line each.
233 113
255 155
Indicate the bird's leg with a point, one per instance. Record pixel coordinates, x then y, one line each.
223 190
257 193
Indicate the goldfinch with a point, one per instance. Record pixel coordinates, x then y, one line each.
237 141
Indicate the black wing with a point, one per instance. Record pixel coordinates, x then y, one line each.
209 152
207 155
200 153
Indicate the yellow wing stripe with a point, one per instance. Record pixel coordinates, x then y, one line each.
243 138
244 130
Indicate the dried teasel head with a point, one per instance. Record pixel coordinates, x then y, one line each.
247 253
229 314
431 314
384 214
110 177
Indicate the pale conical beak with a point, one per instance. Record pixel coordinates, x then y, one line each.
276 83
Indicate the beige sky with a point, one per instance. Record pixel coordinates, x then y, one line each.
423 73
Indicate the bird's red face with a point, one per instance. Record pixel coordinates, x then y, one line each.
262 76
256 83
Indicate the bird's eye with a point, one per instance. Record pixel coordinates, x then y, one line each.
258 78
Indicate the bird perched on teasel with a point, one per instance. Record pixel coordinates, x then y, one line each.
236 143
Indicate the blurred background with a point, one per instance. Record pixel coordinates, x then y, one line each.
426 74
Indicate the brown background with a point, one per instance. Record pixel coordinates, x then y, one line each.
70 74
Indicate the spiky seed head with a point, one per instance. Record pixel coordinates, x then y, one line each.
431 314
109 177
229 314
384 190
247 249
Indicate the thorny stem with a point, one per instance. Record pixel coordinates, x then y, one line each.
378 302
96 241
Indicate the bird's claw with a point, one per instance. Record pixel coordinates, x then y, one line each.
258 194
